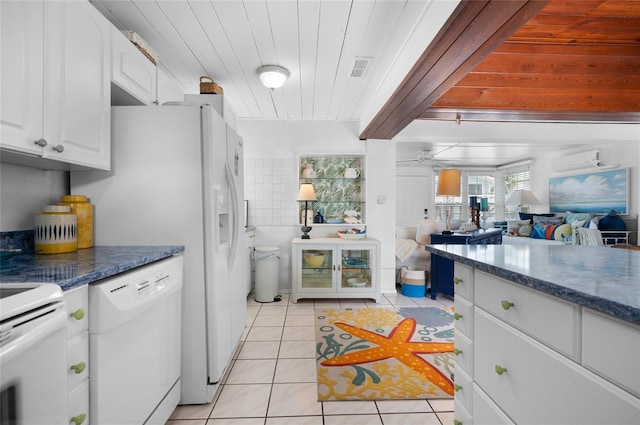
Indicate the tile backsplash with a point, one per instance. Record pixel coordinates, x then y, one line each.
271 187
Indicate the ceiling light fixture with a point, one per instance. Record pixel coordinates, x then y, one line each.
272 76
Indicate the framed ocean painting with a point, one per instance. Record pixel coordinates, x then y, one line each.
597 192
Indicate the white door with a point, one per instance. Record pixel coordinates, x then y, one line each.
77 94
21 68
217 213
239 265
411 199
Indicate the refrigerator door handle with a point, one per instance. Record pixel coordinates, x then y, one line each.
234 215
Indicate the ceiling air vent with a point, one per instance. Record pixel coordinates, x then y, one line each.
359 66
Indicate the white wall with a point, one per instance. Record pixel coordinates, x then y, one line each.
620 153
23 193
272 149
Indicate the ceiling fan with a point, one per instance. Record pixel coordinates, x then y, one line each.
426 157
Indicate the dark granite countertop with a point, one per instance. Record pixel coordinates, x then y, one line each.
82 267
601 278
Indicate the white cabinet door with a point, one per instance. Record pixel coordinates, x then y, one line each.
168 89
356 267
21 68
316 269
77 84
131 72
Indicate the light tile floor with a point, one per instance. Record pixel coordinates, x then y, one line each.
272 380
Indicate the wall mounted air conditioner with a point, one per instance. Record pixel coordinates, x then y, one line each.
576 161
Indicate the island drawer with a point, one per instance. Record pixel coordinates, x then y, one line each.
463 316
611 348
463 353
547 319
463 280
564 391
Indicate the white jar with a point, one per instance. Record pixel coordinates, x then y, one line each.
56 229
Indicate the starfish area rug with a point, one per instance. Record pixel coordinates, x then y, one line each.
384 354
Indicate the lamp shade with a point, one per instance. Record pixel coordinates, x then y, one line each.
449 182
306 192
522 197
272 76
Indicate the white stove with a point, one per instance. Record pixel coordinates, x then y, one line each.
33 354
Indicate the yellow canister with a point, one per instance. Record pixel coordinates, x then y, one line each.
83 210
55 230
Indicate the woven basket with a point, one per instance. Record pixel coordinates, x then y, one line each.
207 86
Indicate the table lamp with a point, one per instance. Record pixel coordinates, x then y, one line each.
522 197
306 194
448 185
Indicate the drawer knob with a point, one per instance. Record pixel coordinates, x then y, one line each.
500 370
457 351
78 314
457 280
507 304
457 316
79 368
79 420
456 387
457 422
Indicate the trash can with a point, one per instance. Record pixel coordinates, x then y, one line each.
414 283
267 273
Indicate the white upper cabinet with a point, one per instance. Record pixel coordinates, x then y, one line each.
21 73
133 75
168 89
56 82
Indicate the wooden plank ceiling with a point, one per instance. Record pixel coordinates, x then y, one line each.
558 60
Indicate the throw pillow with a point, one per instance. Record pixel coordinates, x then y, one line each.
539 219
572 216
519 228
563 232
552 232
529 216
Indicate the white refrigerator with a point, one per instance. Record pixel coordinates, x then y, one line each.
177 179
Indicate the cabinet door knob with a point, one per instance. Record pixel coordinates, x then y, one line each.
79 368
79 420
457 351
41 142
58 148
507 304
457 316
500 370
457 280
78 314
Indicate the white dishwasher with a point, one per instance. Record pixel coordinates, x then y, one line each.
134 345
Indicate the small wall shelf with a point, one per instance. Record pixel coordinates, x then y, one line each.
339 183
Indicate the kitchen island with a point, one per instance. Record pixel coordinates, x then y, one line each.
546 334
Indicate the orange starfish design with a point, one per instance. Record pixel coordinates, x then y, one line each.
397 345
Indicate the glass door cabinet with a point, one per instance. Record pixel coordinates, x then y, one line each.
333 268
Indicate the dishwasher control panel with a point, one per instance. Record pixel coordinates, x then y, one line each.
121 295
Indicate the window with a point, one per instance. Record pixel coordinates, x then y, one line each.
454 202
473 183
515 178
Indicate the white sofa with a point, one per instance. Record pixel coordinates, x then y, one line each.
410 242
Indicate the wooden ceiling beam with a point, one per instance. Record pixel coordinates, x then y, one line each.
474 30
